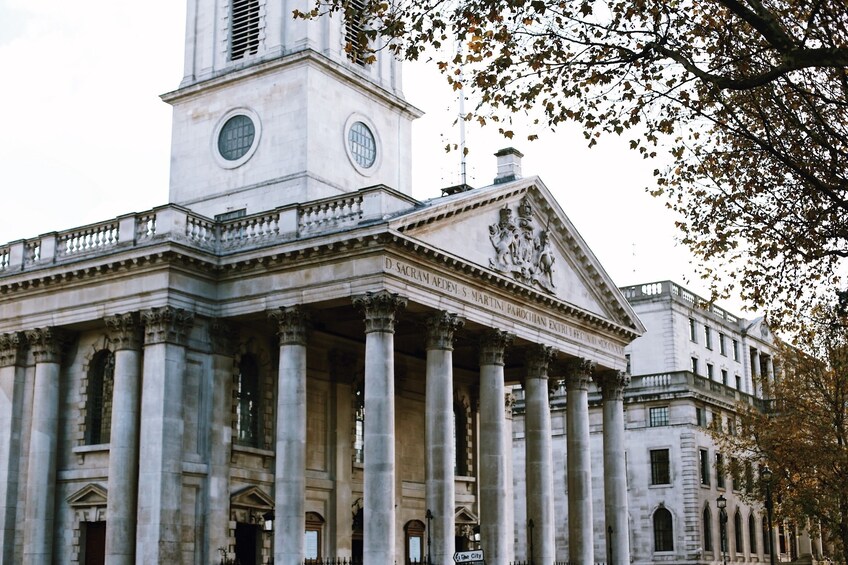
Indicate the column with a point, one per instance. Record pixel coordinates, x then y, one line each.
612 385
159 524
494 503
290 471
578 461
439 436
509 406
12 358
379 484
125 336
46 345
539 457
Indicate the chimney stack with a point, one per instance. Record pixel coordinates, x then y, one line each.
509 165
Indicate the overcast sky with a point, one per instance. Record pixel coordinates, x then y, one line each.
86 137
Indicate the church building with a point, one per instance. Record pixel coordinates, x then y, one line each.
294 359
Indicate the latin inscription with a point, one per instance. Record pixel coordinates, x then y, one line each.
531 318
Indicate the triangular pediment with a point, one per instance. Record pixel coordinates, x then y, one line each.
251 497
464 516
89 495
519 231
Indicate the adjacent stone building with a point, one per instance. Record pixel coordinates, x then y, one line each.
294 358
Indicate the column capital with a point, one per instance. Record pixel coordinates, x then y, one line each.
292 324
12 349
539 358
578 373
612 383
166 325
125 331
380 309
493 345
223 337
440 329
47 344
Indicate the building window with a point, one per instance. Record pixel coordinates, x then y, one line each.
704 462
735 350
663 530
724 377
355 39
312 536
695 365
719 469
245 21
701 417
737 532
749 477
708 337
766 537
658 416
738 382
752 534
362 145
248 402
660 474
359 425
414 530
460 433
236 137
722 347
710 371
708 529
734 474
693 333
98 406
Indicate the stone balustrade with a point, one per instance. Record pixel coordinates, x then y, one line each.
175 223
668 288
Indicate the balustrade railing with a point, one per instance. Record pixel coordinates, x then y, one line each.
338 212
87 239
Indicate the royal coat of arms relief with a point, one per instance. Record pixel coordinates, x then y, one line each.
521 248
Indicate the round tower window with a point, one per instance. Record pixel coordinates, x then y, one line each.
236 137
362 145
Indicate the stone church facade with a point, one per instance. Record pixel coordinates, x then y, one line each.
294 358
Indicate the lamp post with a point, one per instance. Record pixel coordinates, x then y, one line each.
530 538
429 517
721 502
268 528
767 476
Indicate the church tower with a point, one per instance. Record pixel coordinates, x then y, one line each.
273 111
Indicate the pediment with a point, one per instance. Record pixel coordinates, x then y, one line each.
464 516
253 498
89 495
519 231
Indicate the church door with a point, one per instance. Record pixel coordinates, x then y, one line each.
95 543
247 542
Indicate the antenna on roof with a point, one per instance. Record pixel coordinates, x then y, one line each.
462 172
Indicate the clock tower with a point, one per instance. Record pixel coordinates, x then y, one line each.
273 111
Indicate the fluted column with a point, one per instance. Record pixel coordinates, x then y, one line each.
539 456
379 488
12 358
158 532
578 461
125 335
494 529
439 436
46 345
612 385
290 474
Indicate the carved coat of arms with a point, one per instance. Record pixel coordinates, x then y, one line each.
521 248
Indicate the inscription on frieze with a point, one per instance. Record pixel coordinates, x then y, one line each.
529 317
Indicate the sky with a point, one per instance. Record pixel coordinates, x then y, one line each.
86 137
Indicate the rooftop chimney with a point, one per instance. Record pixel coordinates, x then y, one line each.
509 165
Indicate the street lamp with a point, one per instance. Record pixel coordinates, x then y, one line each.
766 475
721 502
429 516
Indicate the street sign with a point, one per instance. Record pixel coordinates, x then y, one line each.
468 556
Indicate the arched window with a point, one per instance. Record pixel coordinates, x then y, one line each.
663 530
737 532
414 530
752 533
766 538
460 433
708 529
98 406
248 402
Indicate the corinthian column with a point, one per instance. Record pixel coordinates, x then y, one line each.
494 502
578 460
379 488
12 357
539 455
46 345
159 526
290 473
125 336
439 436
612 385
